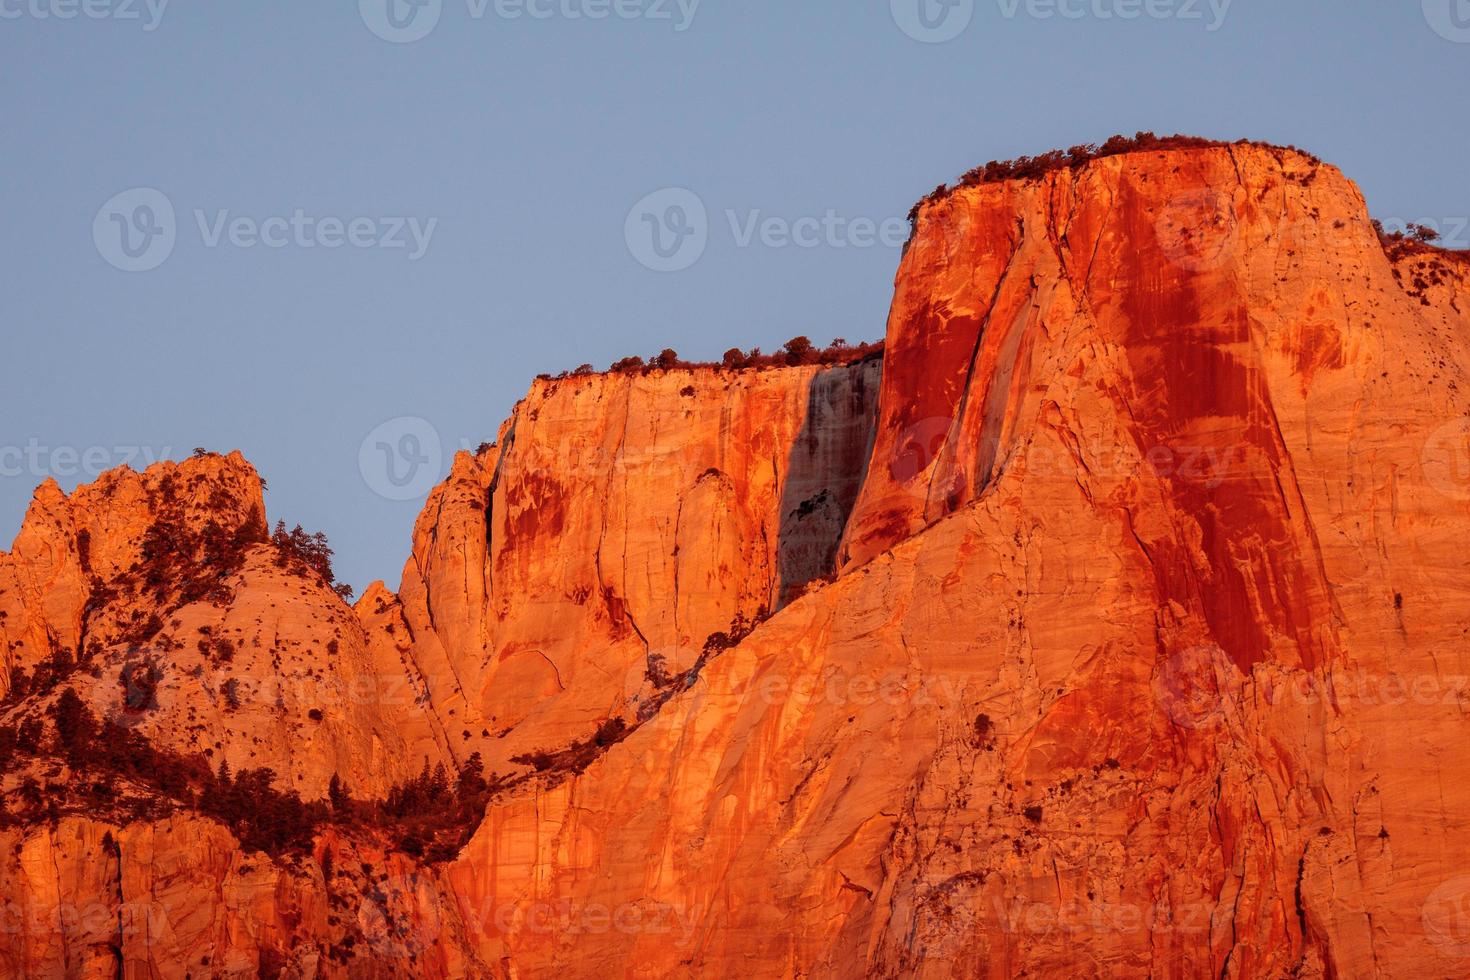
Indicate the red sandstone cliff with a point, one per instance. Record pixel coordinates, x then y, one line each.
619 523
1112 625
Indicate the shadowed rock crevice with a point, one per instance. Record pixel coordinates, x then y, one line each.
825 472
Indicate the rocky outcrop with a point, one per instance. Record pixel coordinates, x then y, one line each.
178 897
69 546
1121 634
618 523
157 597
1161 688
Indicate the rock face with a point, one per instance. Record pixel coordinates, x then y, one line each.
620 522
1113 624
257 665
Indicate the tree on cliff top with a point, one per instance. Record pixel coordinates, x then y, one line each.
799 350
297 547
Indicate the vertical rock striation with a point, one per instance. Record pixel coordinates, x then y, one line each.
1113 624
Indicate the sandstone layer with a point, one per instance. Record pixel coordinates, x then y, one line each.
1112 624
618 522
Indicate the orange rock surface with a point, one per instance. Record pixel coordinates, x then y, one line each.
1113 623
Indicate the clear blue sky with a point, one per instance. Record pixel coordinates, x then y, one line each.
529 139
